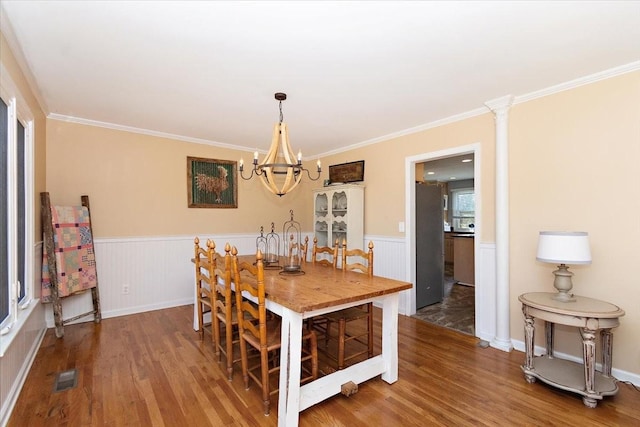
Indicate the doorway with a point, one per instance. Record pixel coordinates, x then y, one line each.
450 183
410 214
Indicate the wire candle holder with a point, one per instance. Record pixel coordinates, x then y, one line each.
293 245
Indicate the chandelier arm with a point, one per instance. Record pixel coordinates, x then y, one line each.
280 160
309 174
242 173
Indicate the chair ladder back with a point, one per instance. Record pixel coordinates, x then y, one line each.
248 313
330 251
366 257
303 248
205 264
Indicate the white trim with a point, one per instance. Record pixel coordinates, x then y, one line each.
13 330
500 108
21 377
18 110
132 129
603 75
16 50
416 129
572 84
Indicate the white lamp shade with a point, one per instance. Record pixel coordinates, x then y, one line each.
563 247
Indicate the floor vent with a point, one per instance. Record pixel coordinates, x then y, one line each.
66 380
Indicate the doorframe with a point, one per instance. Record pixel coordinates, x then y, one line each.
410 217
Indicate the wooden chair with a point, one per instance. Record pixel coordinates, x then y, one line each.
363 262
262 333
224 312
327 251
304 249
205 261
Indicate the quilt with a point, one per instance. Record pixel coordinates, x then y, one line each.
74 255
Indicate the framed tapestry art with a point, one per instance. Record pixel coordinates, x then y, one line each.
212 183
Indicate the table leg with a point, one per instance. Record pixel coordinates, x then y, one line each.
290 369
390 337
607 350
529 334
548 331
589 355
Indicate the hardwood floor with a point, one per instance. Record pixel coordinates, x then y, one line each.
151 369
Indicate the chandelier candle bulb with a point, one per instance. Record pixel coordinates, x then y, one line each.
300 157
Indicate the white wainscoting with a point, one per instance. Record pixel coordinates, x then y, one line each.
486 291
157 270
20 353
159 274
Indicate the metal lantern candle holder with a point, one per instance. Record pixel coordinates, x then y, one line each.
261 242
293 245
272 250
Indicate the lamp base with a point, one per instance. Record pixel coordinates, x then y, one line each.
564 297
563 284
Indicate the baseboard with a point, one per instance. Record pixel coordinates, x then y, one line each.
130 310
17 385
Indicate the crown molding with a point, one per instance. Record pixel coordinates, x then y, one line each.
431 125
113 126
18 54
495 103
603 75
572 84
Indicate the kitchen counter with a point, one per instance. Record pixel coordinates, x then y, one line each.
464 258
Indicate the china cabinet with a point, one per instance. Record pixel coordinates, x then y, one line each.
339 214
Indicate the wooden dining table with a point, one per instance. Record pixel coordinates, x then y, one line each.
320 290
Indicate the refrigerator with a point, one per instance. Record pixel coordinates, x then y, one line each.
429 245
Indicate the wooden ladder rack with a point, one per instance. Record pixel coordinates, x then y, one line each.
48 237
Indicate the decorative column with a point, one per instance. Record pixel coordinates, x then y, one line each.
500 109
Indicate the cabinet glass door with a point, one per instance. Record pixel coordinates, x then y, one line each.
339 204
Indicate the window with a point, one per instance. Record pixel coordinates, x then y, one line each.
464 209
16 210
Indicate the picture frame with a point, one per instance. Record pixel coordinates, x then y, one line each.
347 172
212 183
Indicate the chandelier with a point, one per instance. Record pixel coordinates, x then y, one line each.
280 171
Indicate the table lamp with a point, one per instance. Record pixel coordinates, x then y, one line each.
561 247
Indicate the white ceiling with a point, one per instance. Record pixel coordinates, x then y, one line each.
354 72
449 169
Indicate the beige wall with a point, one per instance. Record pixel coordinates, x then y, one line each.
40 158
385 174
574 166
137 185
572 157
571 167
15 361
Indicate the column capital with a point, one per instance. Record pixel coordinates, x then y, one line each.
499 105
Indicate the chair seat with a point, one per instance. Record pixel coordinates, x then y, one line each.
263 333
234 317
273 335
363 262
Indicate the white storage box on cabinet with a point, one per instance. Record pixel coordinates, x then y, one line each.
339 214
